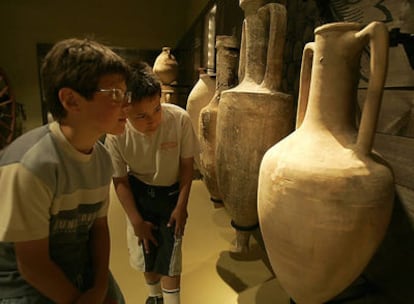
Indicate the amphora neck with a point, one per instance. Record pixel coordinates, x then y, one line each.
227 60
335 75
251 6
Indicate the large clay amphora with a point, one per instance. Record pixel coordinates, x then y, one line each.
201 94
227 61
325 198
166 66
252 116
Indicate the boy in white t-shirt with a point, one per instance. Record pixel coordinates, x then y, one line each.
153 162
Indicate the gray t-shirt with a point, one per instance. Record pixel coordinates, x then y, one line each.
49 189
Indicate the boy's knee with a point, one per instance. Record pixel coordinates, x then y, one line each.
171 283
152 277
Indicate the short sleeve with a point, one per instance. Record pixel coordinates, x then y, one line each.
189 140
25 205
118 162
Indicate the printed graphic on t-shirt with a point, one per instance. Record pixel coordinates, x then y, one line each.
76 221
168 145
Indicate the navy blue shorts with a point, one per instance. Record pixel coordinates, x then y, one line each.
155 204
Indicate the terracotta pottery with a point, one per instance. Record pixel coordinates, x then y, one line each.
325 198
169 94
166 66
252 116
227 60
201 94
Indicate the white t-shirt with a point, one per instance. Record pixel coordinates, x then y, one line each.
155 159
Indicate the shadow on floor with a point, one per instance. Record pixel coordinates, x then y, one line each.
251 276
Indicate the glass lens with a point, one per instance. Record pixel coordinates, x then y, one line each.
128 97
118 95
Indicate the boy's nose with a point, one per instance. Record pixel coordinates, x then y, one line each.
123 107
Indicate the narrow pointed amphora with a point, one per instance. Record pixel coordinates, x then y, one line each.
200 96
226 77
325 198
252 116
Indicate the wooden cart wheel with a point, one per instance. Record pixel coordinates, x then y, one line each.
7 111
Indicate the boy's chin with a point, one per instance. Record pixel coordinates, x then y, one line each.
151 130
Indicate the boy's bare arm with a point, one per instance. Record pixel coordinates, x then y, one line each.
36 267
124 193
186 179
179 215
142 229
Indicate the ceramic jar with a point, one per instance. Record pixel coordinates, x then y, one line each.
169 94
325 198
252 116
166 67
201 94
226 61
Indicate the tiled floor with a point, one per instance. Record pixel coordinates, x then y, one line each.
211 274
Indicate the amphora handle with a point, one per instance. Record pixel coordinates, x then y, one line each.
377 35
274 18
304 82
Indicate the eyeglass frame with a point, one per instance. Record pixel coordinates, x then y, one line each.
127 96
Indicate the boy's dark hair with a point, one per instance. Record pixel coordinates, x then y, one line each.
143 82
77 64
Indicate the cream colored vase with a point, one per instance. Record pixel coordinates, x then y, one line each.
166 67
252 116
201 94
325 198
227 59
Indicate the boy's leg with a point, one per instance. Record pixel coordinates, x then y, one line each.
171 289
153 281
172 260
171 282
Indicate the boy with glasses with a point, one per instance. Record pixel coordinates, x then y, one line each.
54 239
153 161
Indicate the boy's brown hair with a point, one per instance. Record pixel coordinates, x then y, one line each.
77 64
143 82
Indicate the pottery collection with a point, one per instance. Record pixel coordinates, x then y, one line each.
321 195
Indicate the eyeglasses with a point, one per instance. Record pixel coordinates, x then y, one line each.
118 95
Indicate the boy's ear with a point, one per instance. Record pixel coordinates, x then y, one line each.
69 99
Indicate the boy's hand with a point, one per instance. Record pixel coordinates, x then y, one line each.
92 295
109 300
179 217
144 233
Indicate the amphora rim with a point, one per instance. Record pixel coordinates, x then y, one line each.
338 26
